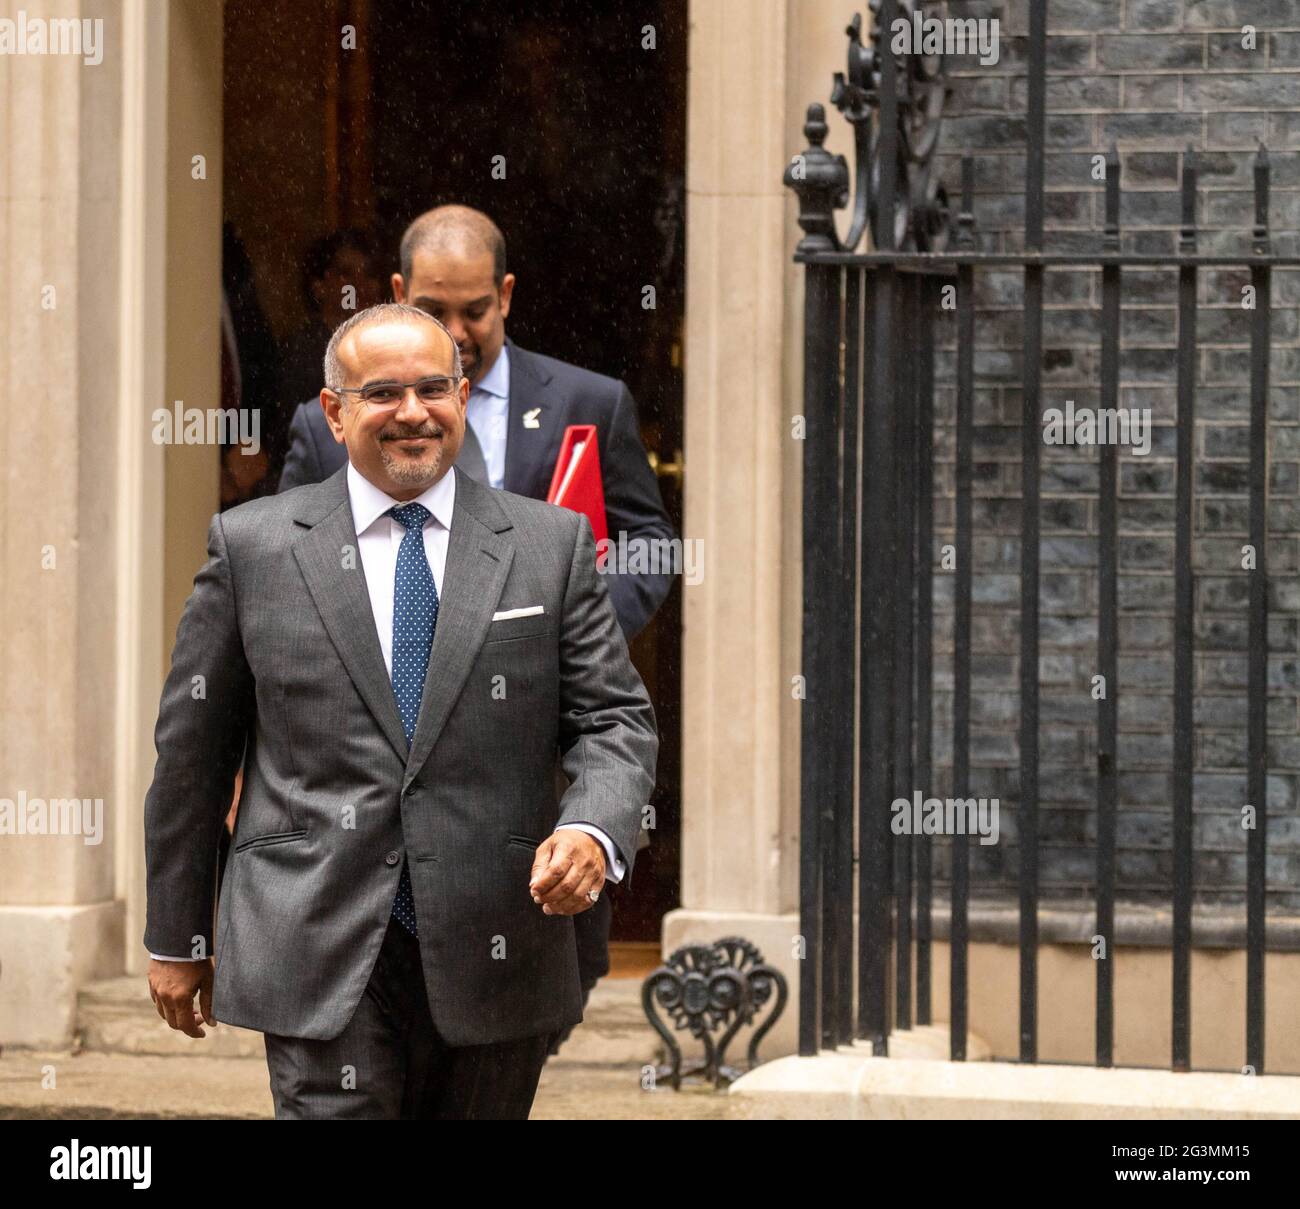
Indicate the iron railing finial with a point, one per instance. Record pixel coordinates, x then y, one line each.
821 181
893 160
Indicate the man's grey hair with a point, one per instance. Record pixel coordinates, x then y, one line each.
385 312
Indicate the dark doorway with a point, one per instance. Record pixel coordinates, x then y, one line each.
566 122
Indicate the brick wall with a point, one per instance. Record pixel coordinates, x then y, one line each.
1154 76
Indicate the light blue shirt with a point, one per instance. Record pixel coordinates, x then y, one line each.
489 416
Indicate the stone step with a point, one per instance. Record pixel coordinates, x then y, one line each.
850 1084
614 1030
116 1015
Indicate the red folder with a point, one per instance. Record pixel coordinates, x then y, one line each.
576 483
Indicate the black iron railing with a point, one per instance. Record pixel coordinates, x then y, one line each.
868 535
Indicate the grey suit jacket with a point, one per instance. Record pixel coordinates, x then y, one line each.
277 651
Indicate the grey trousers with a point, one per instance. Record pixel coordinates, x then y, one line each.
390 1064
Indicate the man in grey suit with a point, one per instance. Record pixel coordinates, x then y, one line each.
402 656
453 265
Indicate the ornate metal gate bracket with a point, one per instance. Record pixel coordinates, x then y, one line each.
707 988
915 94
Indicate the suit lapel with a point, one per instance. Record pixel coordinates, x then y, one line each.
330 561
531 452
479 554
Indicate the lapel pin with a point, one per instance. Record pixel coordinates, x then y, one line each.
530 418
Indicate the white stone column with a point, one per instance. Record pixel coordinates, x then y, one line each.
754 66
735 436
108 311
60 920
142 501
171 342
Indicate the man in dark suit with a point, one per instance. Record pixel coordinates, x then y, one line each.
401 656
453 266
453 262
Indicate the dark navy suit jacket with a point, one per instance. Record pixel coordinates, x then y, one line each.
565 395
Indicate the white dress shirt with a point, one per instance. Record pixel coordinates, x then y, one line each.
488 413
378 539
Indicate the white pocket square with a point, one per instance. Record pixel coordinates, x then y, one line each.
506 614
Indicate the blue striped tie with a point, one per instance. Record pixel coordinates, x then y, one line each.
415 617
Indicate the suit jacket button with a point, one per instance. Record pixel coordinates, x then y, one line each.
392 858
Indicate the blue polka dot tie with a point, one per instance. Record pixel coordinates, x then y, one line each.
415 617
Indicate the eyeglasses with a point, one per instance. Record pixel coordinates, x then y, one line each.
385 395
